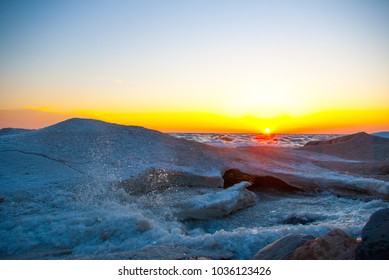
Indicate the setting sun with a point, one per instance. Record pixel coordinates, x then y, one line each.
162 130
183 70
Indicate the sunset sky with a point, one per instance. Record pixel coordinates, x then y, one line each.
237 66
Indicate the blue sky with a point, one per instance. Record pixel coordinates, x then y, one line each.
235 58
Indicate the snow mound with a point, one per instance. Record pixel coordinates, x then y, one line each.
91 150
11 131
359 146
217 204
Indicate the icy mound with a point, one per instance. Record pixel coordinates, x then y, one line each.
217 204
10 131
80 151
360 146
95 150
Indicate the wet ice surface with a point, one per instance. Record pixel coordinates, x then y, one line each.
58 197
94 220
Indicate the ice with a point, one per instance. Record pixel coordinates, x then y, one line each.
99 151
217 204
96 220
89 189
252 139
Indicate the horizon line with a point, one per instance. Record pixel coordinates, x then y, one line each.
195 132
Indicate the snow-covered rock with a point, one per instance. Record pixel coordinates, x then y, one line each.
217 204
359 146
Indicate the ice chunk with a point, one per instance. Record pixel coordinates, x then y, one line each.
217 204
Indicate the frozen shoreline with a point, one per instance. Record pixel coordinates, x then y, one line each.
62 195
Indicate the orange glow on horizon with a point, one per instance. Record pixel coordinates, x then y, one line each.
322 122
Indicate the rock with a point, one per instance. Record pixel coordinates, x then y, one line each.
284 247
217 204
335 245
375 237
198 258
297 219
143 225
258 183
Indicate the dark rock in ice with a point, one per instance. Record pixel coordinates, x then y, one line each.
335 245
258 183
297 219
375 237
143 225
359 146
197 258
284 247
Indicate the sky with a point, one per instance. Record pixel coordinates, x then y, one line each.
221 66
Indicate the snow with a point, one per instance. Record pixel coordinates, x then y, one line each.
100 151
10 131
89 189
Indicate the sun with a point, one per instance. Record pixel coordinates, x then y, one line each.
267 130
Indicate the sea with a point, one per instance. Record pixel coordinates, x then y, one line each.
253 139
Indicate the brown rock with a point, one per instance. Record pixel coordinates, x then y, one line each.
258 183
283 248
335 245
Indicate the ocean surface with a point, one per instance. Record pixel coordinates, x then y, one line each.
252 139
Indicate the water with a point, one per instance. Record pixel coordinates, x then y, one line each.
251 139
98 221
